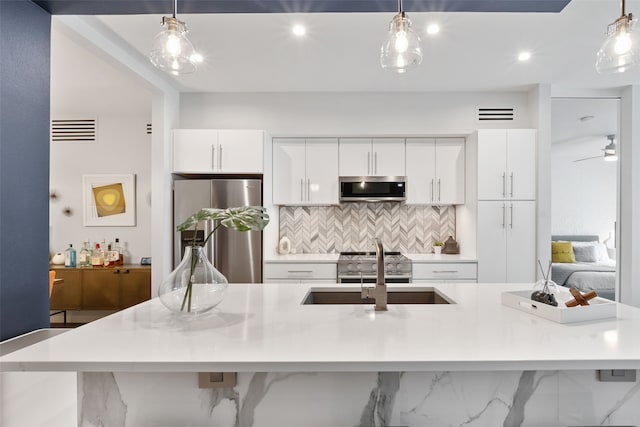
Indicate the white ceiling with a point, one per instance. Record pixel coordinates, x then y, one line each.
473 52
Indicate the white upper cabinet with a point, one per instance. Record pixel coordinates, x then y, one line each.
372 157
194 150
435 169
305 171
218 151
289 176
241 151
507 164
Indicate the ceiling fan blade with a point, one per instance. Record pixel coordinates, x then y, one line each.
587 158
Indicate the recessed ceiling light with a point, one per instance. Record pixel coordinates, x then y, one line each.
524 56
299 30
433 29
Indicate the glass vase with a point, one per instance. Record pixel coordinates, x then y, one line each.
195 286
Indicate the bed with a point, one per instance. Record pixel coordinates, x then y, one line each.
593 269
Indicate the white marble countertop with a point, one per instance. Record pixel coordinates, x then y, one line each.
440 258
265 328
316 258
322 258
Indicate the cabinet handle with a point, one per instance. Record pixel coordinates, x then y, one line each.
213 156
445 271
511 191
369 163
300 271
511 221
438 189
432 190
375 163
504 183
220 157
308 189
301 188
504 213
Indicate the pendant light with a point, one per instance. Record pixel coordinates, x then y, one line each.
171 50
401 51
621 49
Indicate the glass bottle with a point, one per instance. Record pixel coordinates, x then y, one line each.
97 259
84 257
118 248
70 257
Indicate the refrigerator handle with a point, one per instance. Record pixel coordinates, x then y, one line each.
209 247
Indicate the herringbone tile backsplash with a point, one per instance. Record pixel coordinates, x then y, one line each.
352 227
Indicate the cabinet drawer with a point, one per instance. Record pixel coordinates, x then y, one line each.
445 271
300 270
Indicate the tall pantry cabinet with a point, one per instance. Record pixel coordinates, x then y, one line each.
507 205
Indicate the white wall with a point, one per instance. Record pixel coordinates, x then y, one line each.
338 114
84 83
123 147
583 194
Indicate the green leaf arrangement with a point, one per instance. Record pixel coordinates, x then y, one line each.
244 218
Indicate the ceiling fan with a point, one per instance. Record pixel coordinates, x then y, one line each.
610 153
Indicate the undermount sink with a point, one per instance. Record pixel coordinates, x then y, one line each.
350 295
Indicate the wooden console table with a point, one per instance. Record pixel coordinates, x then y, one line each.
111 288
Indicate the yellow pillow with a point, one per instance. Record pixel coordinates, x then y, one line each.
562 252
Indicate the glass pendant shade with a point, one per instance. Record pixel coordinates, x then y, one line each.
171 50
401 51
621 49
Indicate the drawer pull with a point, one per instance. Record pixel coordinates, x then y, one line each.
299 271
445 271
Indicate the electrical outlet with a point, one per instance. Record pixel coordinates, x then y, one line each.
617 375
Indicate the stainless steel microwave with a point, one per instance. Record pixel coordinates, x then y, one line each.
372 188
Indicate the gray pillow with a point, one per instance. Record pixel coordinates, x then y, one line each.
585 253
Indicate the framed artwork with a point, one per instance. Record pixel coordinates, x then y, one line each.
109 200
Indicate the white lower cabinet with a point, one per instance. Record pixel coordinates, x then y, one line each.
506 241
434 272
300 272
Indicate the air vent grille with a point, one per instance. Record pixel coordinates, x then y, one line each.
149 128
495 114
73 130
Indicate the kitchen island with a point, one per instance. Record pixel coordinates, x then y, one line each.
474 362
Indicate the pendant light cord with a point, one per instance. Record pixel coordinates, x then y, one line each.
175 7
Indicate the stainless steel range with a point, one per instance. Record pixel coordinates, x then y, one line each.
360 267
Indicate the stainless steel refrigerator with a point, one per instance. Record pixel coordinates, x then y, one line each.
236 254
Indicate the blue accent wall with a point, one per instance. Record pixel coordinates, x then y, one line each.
25 46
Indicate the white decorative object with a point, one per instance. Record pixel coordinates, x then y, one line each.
437 250
284 246
58 259
598 308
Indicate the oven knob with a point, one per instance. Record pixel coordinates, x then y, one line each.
399 267
349 267
374 267
359 267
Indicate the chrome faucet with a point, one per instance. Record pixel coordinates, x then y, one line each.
379 292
